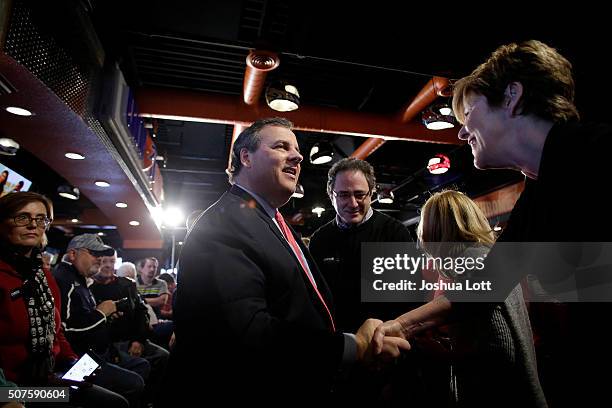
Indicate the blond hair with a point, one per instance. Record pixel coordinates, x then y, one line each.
451 216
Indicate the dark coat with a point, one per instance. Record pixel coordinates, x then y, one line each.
245 312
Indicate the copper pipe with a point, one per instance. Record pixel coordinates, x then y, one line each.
259 63
167 103
436 86
367 148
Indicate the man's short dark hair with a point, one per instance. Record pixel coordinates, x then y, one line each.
249 139
141 263
166 277
351 164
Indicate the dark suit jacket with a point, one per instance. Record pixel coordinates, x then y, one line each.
246 314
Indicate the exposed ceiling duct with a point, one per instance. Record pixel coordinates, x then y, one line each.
259 63
435 87
165 103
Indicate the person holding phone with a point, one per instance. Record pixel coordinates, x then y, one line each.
32 345
87 323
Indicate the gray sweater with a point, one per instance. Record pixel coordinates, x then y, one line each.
496 363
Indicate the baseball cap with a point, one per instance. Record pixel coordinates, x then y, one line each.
91 242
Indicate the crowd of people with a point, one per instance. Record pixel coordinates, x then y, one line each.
51 318
256 316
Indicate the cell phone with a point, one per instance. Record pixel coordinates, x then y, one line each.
122 304
86 365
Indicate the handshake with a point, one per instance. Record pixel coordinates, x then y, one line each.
379 342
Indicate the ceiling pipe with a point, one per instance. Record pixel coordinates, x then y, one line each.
177 104
367 148
435 87
259 63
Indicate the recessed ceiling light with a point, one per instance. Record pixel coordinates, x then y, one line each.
18 111
101 234
74 156
75 220
180 243
134 223
121 205
101 183
497 228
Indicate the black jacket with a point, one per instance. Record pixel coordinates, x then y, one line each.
84 325
246 314
134 323
337 252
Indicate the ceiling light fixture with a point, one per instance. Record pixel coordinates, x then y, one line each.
318 211
299 191
74 156
74 220
18 111
69 192
173 217
439 164
121 205
134 223
385 197
102 183
8 147
321 153
438 117
282 97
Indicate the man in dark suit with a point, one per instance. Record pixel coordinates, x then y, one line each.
252 310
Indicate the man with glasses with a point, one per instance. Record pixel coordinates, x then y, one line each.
336 246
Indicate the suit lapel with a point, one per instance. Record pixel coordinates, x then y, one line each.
264 216
321 284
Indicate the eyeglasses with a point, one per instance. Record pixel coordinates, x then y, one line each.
346 195
22 220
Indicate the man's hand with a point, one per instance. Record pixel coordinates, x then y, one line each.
136 349
388 328
391 347
172 341
364 336
107 307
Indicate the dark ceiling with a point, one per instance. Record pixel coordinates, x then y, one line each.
363 58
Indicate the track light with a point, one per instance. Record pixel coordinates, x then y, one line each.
439 164
385 197
69 192
321 153
282 97
438 117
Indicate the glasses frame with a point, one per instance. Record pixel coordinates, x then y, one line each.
41 221
349 195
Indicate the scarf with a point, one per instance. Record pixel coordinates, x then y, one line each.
40 306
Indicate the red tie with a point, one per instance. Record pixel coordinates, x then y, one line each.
296 250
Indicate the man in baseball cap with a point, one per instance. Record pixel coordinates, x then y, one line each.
91 242
87 324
